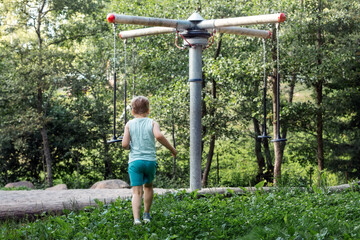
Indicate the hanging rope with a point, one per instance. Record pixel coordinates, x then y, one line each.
114 46
277 53
278 137
133 68
176 38
114 97
114 138
264 92
125 82
264 60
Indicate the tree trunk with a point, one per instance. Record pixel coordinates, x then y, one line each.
203 114
40 109
292 87
269 165
280 146
319 128
259 157
108 172
47 154
268 159
44 136
319 98
212 113
291 97
212 142
277 145
209 160
269 174
76 155
258 153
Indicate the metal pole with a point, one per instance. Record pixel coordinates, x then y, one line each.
149 21
163 30
145 32
247 20
196 40
202 24
195 79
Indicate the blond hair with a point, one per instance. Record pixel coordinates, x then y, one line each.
140 104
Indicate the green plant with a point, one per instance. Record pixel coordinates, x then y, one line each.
14 188
282 214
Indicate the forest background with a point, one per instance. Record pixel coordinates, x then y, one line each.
56 92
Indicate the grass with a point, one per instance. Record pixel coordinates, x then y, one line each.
302 93
282 214
14 188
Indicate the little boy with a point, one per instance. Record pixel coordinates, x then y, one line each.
139 136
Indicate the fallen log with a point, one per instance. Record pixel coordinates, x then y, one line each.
22 203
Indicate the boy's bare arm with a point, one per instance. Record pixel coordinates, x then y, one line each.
162 139
126 138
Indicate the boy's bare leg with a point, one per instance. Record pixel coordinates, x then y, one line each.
136 201
148 196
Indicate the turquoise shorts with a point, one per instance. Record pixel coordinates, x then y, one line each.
142 172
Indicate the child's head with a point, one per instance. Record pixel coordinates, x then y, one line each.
140 105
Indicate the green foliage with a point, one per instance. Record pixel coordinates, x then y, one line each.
65 69
237 166
14 188
282 214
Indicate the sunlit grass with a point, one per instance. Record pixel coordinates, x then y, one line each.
302 93
14 188
281 214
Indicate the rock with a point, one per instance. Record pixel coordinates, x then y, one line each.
20 184
58 187
110 184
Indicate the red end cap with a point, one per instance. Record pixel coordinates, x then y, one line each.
282 17
111 18
269 34
119 35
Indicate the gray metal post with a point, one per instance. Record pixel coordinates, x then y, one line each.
196 39
195 79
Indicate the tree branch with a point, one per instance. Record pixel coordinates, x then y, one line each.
70 38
